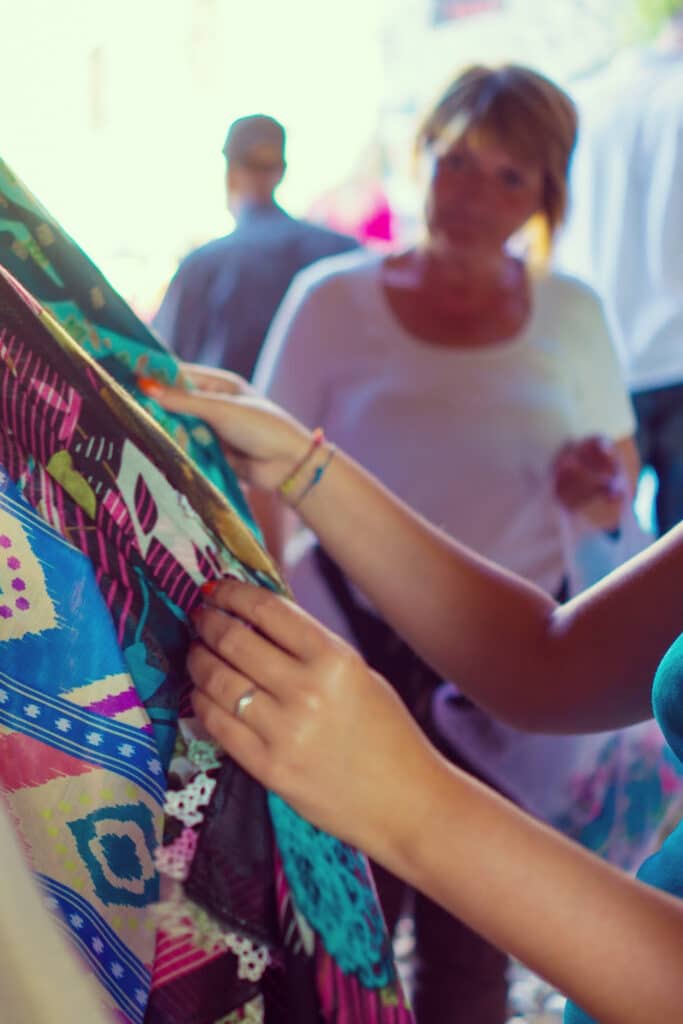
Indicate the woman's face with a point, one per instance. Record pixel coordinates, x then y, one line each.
479 194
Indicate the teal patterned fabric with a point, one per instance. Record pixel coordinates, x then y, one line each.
331 885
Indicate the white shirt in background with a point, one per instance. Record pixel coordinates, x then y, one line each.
464 436
624 234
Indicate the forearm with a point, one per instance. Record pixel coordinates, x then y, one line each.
433 591
569 916
586 666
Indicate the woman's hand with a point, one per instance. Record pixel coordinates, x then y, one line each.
337 744
323 730
261 441
590 480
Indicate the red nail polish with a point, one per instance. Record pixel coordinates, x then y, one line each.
149 386
208 588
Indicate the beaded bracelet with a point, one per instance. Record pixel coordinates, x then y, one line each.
316 476
288 484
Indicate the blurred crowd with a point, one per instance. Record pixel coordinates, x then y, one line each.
509 374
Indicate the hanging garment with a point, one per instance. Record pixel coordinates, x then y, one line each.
262 916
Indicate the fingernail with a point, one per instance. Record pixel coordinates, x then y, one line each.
208 588
150 387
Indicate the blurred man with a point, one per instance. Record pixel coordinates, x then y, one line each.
625 235
219 305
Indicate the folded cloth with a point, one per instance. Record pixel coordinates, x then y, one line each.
89 471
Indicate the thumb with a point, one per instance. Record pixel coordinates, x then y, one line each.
208 378
205 405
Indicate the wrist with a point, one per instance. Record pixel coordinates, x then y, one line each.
307 469
402 842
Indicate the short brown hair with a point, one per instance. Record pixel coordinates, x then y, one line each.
520 108
256 141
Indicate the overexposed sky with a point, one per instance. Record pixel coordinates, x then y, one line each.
119 109
115 111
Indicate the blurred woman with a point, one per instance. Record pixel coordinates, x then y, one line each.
483 391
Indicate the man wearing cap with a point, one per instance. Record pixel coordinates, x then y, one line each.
219 305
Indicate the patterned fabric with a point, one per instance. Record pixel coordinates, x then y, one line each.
78 761
91 472
619 800
51 266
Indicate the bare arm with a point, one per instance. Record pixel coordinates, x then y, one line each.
569 916
334 740
585 666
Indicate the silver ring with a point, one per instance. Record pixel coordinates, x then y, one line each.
243 702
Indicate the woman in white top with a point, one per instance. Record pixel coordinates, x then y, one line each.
487 396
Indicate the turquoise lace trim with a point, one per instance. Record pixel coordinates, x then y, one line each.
332 888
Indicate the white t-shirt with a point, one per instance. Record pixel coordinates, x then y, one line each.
465 436
625 229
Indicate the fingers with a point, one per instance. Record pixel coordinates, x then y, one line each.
275 617
207 385
223 685
202 404
254 657
586 470
209 379
595 455
236 737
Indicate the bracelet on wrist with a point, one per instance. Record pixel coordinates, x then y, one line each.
316 476
289 484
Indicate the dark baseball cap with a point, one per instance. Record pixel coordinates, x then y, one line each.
256 140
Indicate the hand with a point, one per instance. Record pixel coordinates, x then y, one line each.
260 441
590 480
323 730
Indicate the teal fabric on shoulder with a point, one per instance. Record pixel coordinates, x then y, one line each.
664 869
667 697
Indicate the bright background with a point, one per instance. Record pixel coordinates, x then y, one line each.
115 111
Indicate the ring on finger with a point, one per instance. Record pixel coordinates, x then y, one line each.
243 702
